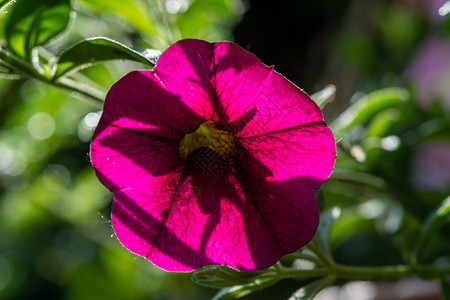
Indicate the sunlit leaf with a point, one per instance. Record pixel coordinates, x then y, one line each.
5 3
309 291
242 290
325 96
432 224
90 51
10 76
377 140
368 106
32 23
382 122
134 11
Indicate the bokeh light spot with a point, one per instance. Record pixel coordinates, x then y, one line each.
41 126
390 143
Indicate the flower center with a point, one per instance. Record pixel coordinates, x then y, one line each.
208 136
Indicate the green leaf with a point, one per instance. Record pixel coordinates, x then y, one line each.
359 178
242 290
383 122
133 10
222 276
7 73
324 96
32 23
309 291
303 255
90 51
432 224
5 3
368 106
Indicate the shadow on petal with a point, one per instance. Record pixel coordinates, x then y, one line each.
139 103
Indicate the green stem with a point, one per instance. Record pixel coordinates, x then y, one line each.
350 272
95 97
303 256
326 259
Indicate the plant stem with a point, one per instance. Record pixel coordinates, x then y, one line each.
325 259
94 96
349 272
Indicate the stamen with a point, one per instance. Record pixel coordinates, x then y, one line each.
209 136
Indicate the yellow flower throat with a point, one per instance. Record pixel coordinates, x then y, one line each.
209 136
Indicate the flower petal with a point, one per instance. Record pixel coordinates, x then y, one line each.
139 214
181 236
244 229
136 102
125 158
280 217
186 69
253 99
305 152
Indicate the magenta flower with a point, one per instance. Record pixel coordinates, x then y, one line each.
213 158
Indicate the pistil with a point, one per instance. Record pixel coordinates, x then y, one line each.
209 136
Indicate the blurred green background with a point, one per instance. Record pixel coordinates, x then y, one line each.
56 239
